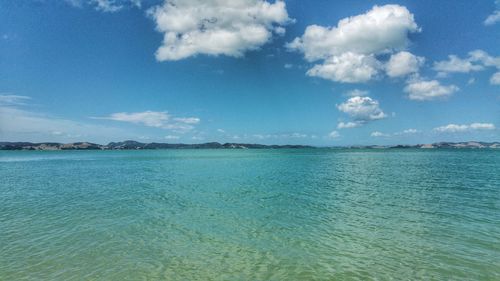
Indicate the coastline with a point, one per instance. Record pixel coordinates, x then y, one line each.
134 145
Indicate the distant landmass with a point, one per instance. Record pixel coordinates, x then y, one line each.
132 145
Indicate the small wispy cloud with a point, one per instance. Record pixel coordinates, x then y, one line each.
7 99
156 119
18 122
403 133
378 134
333 135
457 128
495 16
106 6
356 93
348 125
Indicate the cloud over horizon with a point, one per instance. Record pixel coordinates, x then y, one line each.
156 119
454 128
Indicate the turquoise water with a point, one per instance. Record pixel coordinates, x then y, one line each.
311 214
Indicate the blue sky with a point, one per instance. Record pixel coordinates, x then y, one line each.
253 71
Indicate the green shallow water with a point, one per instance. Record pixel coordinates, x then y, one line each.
311 214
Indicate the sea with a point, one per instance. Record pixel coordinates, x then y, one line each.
250 214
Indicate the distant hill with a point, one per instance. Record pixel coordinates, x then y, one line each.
132 145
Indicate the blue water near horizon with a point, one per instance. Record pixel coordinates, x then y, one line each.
285 214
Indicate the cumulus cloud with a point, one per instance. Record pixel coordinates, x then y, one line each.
171 137
361 110
157 119
347 51
348 67
484 58
403 63
422 90
476 60
382 29
216 27
456 64
495 79
454 128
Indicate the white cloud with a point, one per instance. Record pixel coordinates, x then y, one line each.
356 93
157 119
221 131
482 126
407 132
348 68
348 125
381 29
410 131
107 6
110 6
75 3
147 118
477 60
454 128
347 51
377 134
484 58
397 134
362 109
294 135
333 135
216 27
495 79
456 64
493 18
422 90
403 63
188 120
13 99
18 124
171 137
